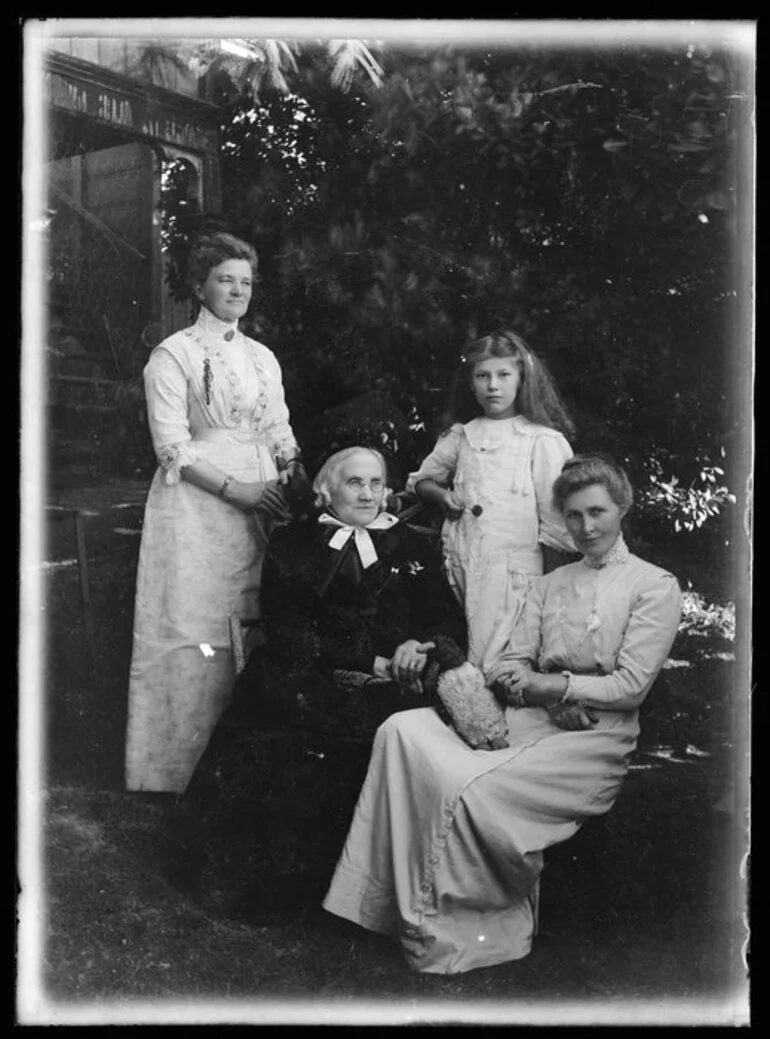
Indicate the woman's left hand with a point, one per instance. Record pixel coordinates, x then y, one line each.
573 716
409 660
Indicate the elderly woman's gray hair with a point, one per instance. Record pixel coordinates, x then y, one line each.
327 475
586 471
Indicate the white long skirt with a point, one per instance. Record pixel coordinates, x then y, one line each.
200 560
446 845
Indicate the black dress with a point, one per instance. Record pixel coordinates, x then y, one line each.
266 812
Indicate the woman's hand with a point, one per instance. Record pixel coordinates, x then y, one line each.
408 661
507 687
381 669
541 690
272 502
527 681
517 673
266 497
292 472
573 716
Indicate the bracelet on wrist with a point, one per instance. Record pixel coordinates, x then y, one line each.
223 489
566 696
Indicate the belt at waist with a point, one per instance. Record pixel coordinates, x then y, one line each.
236 436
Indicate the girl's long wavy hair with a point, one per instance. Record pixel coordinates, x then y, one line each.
537 398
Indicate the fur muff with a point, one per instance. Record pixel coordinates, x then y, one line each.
474 712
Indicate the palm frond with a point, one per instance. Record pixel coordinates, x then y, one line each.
252 63
154 59
347 56
278 56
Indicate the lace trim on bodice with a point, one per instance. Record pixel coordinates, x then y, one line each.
614 557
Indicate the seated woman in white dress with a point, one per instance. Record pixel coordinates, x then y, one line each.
445 850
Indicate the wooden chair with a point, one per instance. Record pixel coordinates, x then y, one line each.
58 512
245 633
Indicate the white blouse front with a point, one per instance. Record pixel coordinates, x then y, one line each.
611 627
199 386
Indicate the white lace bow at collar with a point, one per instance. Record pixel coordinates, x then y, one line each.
366 550
614 557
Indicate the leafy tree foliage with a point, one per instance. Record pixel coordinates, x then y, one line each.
587 198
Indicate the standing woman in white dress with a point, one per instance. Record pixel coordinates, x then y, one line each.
446 846
492 479
221 433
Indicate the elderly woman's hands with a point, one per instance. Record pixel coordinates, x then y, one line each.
408 661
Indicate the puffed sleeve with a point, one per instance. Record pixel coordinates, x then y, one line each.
549 454
649 635
441 463
165 388
277 424
524 644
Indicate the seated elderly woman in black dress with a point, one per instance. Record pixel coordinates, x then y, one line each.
358 624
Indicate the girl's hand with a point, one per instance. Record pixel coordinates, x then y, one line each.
573 716
408 661
452 506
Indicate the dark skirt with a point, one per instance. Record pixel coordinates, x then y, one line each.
264 819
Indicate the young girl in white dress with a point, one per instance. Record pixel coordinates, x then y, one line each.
492 477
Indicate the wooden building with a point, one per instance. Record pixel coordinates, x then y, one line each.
121 123
132 143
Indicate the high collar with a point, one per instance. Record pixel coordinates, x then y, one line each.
613 557
215 326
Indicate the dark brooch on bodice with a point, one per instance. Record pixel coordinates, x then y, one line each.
208 378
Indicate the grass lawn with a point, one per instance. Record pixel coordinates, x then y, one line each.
640 912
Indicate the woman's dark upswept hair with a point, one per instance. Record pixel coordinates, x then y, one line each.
537 398
210 250
582 471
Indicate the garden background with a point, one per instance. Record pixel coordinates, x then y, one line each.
405 199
